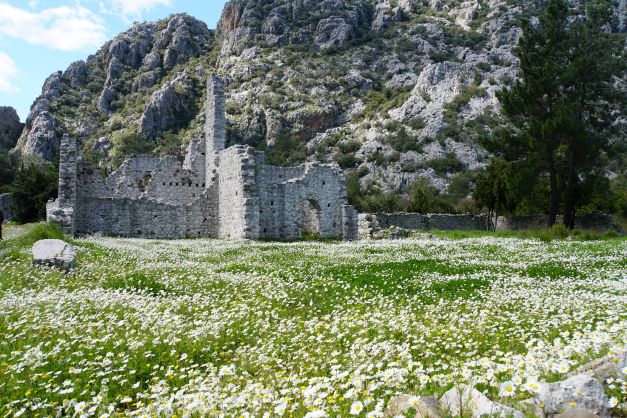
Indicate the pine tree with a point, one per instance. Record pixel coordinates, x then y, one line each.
534 104
595 64
561 106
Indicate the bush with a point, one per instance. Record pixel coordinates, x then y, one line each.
287 151
449 163
401 141
8 168
424 198
127 144
346 160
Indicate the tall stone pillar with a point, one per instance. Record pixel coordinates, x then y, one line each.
215 134
63 210
67 171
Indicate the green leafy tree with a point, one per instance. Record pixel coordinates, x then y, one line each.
8 167
492 190
33 185
424 198
287 151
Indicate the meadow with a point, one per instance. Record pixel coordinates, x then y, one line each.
307 329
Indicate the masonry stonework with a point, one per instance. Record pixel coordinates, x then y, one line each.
369 224
214 192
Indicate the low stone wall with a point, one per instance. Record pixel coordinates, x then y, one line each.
426 221
370 223
4 206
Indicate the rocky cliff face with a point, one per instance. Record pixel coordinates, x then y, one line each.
393 89
122 88
10 127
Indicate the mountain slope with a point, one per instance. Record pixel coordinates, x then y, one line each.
393 90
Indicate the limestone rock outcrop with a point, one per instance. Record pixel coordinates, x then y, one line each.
610 365
168 107
135 60
54 253
42 139
409 84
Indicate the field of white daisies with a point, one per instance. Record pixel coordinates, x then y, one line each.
307 329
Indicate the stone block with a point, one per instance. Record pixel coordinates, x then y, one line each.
54 253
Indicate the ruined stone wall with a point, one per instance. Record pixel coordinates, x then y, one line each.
171 183
276 175
148 197
350 219
282 205
131 178
148 218
90 181
430 221
595 221
215 126
238 208
519 223
214 192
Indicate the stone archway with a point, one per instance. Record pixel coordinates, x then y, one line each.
310 218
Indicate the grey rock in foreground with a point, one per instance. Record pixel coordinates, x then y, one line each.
54 253
580 393
424 406
462 400
607 366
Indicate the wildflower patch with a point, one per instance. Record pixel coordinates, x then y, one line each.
215 328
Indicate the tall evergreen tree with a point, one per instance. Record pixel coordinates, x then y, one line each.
533 104
560 107
596 62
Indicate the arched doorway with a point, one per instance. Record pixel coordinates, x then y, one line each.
310 218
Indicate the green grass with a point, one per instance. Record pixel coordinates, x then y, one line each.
138 318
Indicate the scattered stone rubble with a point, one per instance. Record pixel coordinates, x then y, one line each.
579 396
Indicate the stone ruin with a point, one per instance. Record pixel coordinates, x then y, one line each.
216 192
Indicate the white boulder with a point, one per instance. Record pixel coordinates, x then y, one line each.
578 393
54 253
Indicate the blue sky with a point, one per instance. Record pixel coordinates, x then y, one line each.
39 37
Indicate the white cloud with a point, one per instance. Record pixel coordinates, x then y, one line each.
8 70
64 28
134 8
